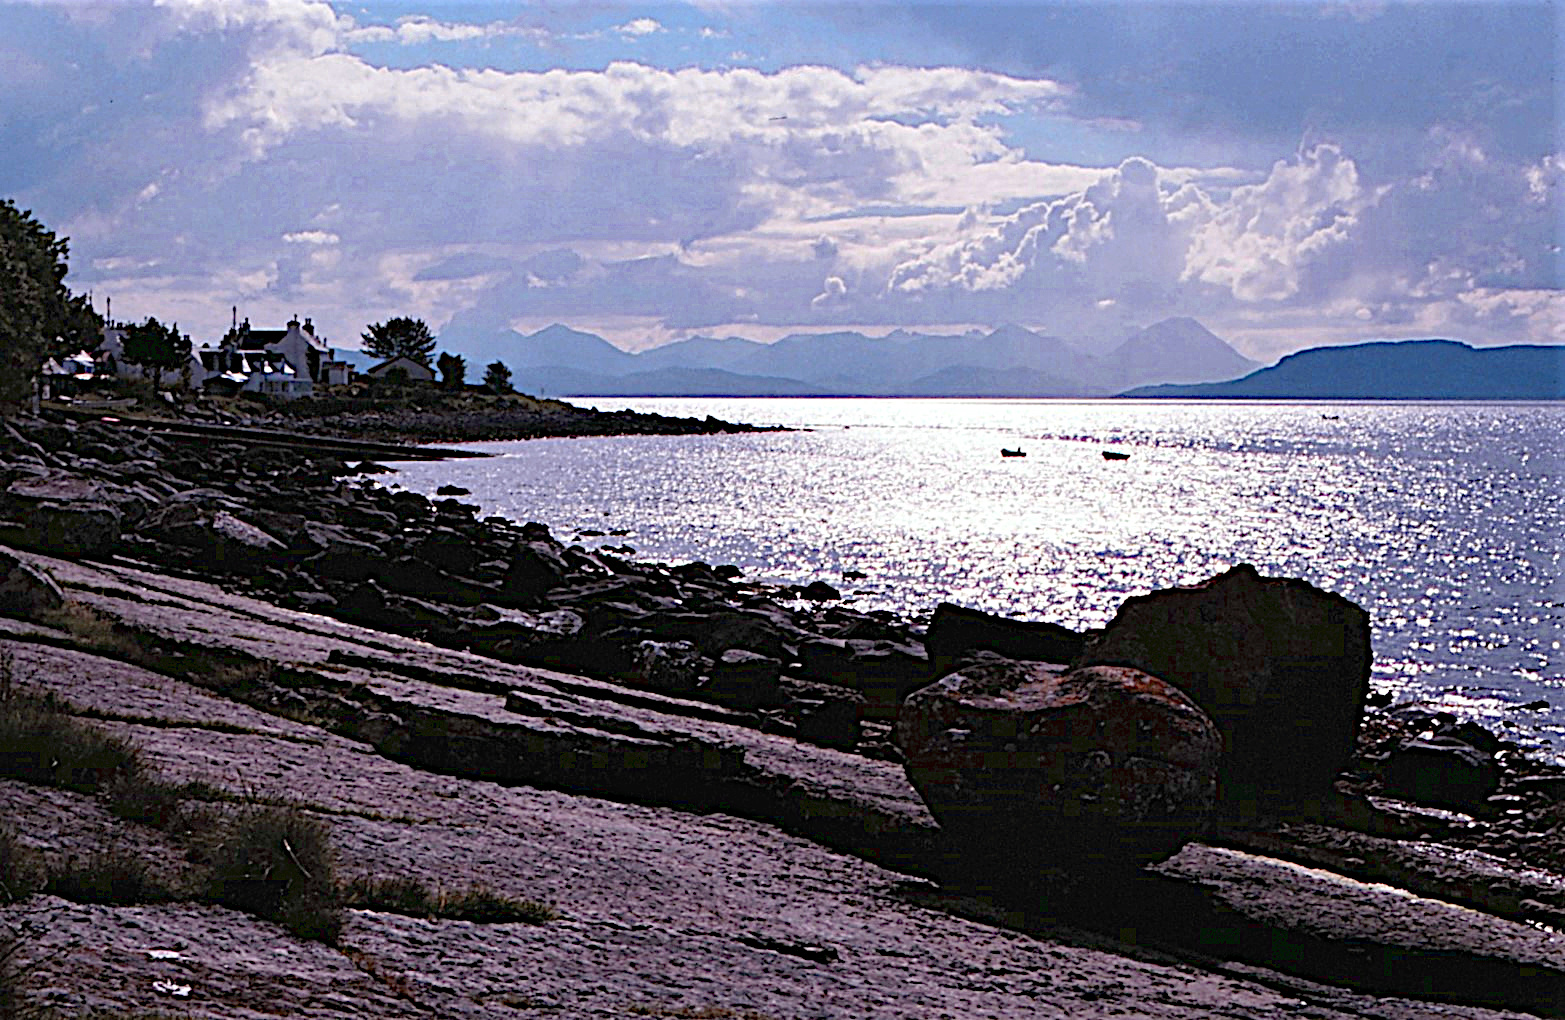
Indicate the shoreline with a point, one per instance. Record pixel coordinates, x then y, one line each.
486 649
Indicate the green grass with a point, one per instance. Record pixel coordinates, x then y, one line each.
115 876
477 903
21 869
277 863
42 743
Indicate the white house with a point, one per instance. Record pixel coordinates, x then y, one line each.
282 362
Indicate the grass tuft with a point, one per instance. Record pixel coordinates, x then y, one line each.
42 743
21 869
477 903
113 876
277 863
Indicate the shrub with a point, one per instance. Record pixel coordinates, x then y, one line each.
277 863
398 895
21 869
114 876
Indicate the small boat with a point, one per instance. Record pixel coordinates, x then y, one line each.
1018 452
1114 455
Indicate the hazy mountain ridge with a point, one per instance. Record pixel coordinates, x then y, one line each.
1008 361
1435 369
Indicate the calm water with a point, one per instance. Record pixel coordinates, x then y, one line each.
1445 521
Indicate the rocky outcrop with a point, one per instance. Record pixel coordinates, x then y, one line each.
1281 666
25 590
1039 770
956 632
62 514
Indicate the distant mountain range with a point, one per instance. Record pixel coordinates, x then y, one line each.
1406 370
1007 362
1173 358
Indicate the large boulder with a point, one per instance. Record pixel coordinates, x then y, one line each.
215 532
956 632
1281 666
62 515
1037 771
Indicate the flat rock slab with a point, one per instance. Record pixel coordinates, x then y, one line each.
663 909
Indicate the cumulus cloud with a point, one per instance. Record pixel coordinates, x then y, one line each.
268 157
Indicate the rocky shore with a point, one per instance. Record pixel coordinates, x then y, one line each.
743 800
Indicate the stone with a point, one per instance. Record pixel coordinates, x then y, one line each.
26 590
822 713
1281 666
536 566
229 542
884 672
956 632
1036 769
670 666
62 515
744 679
1442 772
819 591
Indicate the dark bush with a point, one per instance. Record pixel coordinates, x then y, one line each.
277 863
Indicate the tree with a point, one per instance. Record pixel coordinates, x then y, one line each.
497 377
156 348
400 338
453 369
37 312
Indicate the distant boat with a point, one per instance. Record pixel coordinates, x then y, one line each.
1112 455
1018 452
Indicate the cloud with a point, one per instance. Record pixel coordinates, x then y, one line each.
311 237
833 290
639 27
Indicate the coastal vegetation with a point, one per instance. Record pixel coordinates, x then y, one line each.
38 314
399 337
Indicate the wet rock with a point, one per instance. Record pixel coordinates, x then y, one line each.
1036 769
1281 666
24 589
1441 772
452 490
956 632
819 591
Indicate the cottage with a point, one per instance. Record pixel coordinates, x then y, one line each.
409 370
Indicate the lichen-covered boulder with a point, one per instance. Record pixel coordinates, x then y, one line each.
1281 666
1036 769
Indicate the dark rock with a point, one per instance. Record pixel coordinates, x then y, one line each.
1441 772
670 666
884 672
448 550
819 591
216 533
536 567
1281 666
1036 769
744 680
453 490
24 589
727 571
822 713
62 515
956 632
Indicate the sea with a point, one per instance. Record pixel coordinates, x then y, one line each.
1445 521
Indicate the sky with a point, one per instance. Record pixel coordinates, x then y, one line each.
1289 173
